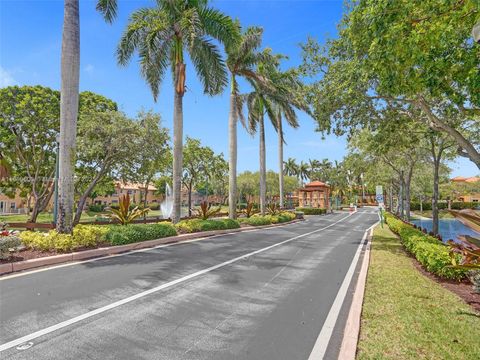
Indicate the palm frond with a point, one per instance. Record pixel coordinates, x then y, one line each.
209 65
108 8
219 26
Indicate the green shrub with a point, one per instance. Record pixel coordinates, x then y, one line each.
84 236
197 225
47 241
89 235
312 211
127 234
456 205
429 251
259 220
96 208
8 242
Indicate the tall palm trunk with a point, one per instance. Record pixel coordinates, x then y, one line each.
263 171
232 164
280 161
177 155
70 78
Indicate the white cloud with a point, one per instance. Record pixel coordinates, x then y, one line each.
89 69
6 79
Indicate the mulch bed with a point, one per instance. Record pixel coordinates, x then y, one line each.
463 289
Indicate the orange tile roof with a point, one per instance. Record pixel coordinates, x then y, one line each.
464 179
316 183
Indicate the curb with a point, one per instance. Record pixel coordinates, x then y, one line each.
348 349
114 250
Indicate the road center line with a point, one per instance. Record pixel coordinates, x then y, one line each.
63 324
320 347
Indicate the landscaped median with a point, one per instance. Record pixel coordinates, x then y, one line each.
88 241
407 315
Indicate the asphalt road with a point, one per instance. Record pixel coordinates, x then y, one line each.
207 299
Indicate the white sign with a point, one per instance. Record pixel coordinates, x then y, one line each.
379 194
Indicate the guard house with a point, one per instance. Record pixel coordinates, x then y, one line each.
315 195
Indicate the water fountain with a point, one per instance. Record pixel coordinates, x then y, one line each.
166 206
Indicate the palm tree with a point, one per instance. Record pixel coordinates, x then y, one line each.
272 98
70 79
291 85
242 59
161 35
313 166
303 172
290 167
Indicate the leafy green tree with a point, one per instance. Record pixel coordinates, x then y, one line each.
161 35
29 122
248 184
107 142
201 166
414 55
153 153
70 79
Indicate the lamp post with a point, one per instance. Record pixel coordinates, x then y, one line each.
55 203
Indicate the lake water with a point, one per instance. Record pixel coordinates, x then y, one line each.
448 228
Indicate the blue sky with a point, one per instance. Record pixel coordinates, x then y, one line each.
30 43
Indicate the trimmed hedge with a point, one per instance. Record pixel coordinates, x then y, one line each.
428 250
197 225
96 208
312 211
84 236
89 236
457 205
259 220
127 234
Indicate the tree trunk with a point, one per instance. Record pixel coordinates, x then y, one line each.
34 213
408 181
263 171
437 124
177 151
401 195
280 161
70 78
436 167
145 198
232 164
86 194
40 205
190 199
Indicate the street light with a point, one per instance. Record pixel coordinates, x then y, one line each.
55 204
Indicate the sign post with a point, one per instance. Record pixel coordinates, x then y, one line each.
380 201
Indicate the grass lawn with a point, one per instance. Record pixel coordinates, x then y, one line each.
408 316
43 217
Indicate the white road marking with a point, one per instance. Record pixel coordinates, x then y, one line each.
63 324
320 347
